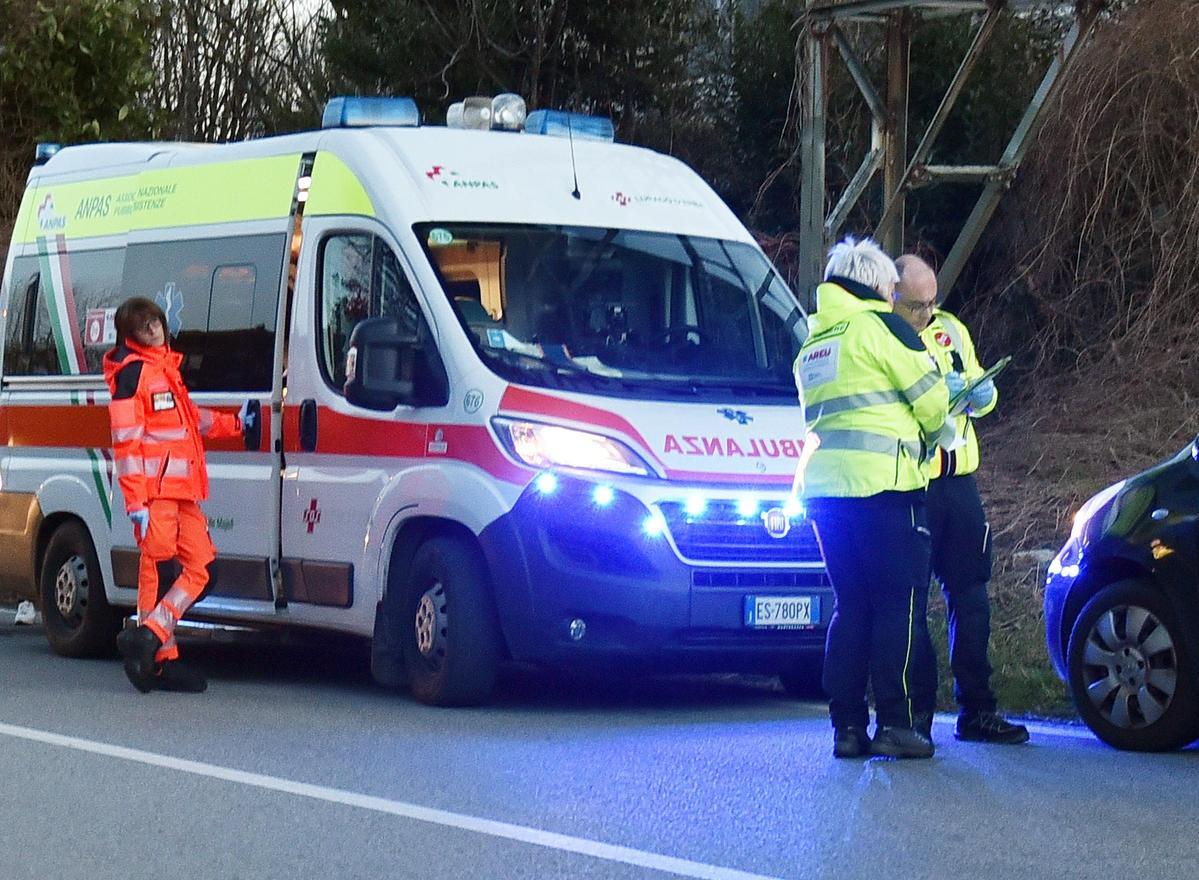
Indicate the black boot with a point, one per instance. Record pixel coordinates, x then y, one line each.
901 742
923 722
175 676
850 742
138 646
989 727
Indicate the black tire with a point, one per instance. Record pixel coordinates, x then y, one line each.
1131 674
804 680
448 626
79 621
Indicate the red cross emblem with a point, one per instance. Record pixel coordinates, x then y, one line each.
312 515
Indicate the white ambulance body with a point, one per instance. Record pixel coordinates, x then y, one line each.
567 433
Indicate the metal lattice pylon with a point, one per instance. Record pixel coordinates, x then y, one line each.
821 25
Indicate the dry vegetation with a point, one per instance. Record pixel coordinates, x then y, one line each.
1091 276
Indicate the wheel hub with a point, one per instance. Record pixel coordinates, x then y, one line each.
1131 667
431 623
70 588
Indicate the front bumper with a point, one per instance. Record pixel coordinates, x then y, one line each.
673 594
1064 570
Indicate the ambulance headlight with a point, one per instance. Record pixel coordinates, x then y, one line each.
543 446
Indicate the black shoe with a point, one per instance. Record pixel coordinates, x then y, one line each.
901 742
989 727
174 676
138 646
923 722
850 742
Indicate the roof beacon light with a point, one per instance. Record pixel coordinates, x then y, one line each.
356 112
508 112
559 123
44 152
476 113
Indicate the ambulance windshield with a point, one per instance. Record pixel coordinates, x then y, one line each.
620 311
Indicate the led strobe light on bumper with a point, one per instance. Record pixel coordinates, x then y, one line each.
546 446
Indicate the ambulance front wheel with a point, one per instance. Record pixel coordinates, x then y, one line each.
450 633
78 619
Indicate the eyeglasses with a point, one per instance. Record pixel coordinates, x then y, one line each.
918 308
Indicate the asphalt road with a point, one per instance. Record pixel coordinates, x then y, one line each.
294 765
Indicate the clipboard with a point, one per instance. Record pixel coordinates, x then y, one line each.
958 404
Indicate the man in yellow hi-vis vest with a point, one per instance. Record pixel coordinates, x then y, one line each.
961 536
878 404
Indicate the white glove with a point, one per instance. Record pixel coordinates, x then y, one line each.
141 523
246 417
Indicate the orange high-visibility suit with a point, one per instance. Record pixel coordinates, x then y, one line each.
159 461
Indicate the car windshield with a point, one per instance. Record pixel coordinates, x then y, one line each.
619 311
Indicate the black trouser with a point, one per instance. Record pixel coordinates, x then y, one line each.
876 550
961 562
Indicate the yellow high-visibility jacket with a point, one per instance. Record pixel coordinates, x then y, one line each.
947 338
873 393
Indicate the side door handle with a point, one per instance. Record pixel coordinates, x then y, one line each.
308 425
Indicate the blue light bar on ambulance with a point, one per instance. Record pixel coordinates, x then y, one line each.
355 112
559 123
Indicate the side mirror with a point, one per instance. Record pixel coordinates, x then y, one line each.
381 365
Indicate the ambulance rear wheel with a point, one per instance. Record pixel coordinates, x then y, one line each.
449 631
78 619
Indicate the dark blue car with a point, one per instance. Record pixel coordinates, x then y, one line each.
1122 608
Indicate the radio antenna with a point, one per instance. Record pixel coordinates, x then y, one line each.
574 170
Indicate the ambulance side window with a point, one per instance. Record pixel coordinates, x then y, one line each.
47 332
220 296
360 278
19 357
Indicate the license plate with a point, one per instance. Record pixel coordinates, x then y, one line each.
781 612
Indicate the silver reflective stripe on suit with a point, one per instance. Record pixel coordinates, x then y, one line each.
854 401
927 381
865 441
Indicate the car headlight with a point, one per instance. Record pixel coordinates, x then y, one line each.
1093 505
542 446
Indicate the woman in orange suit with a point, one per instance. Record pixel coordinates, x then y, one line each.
157 438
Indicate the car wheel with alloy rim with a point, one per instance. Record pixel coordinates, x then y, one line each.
1130 671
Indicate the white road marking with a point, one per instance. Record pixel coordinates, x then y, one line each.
492 828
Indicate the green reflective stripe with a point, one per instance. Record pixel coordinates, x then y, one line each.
102 490
927 381
865 441
187 195
62 318
854 401
336 189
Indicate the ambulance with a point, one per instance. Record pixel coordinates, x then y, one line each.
525 394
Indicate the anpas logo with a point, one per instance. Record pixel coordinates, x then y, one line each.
453 180
624 200
47 219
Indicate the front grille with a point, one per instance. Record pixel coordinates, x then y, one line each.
760 580
721 534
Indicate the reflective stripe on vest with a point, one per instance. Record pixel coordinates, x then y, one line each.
866 441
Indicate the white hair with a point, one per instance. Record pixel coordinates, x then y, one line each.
862 261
